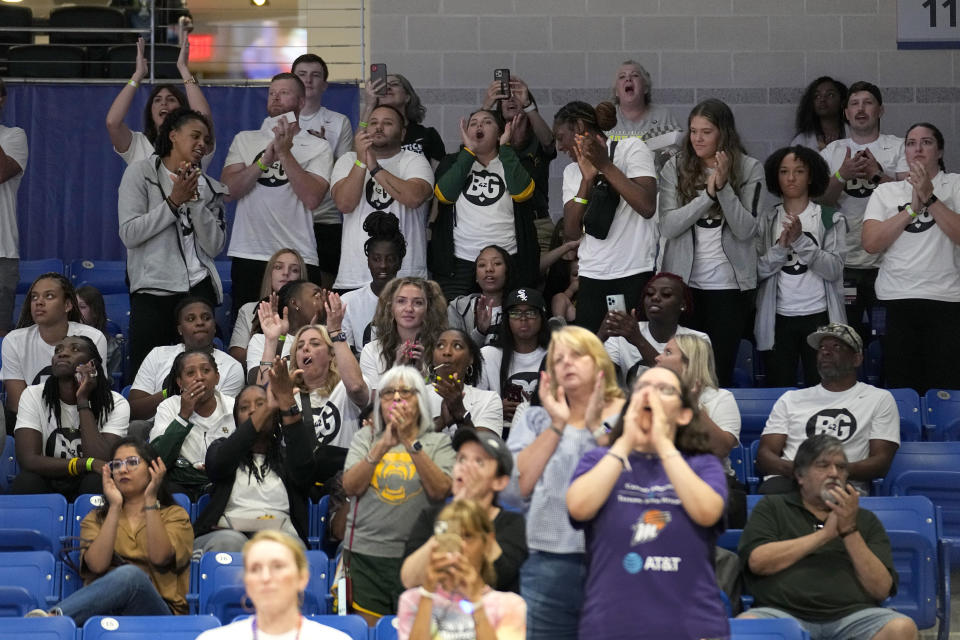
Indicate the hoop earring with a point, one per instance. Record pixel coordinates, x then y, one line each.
470 371
247 607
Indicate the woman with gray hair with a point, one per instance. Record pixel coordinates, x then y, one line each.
394 469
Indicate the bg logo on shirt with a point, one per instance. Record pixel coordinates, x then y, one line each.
64 444
275 176
793 266
835 422
376 195
859 188
484 188
326 423
921 223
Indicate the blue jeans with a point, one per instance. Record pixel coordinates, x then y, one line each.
552 585
125 591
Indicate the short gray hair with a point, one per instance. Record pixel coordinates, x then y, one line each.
644 75
412 377
814 447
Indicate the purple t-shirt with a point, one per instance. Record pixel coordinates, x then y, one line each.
649 566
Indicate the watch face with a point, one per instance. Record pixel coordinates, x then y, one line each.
417 446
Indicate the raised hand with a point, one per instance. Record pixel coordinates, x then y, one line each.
272 324
556 406
508 129
183 60
483 314
466 135
283 133
335 312
157 471
493 94
141 69
110 490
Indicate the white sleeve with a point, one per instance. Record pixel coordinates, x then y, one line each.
231 379
166 412
779 420
30 409
900 161
419 168
490 375
322 164
16 147
10 352
118 421
833 154
369 363
639 160
147 379
254 351
877 206
725 413
886 419
345 141
571 182
235 153
241 329
100 341
488 412
342 167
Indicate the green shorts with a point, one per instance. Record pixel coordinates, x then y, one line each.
376 583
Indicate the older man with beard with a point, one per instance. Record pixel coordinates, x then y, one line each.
816 556
863 417
380 176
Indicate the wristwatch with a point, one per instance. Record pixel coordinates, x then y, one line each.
294 410
338 337
416 446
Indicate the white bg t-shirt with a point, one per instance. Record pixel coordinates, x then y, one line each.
271 216
888 150
27 357
631 245
484 212
922 262
65 443
335 418
253 497
13 140
405 165
361 305
335 128
855 416
524 370
158 363
800 291
205 430
627 358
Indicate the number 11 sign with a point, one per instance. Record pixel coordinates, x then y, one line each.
927 24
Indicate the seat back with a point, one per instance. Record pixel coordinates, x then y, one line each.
755 406
8 463
772 629
908 406
32 522
108 276
34 572
942 416
220 586
87 16
53 628
45 61
386 628
352 625
14 16
30 270
153 627
738 462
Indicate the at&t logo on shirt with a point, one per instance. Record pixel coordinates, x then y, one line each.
484 188
635 563
835 422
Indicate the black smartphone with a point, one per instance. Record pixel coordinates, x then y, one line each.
513 392
378 71
503 75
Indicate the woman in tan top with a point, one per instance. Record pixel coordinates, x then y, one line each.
137 547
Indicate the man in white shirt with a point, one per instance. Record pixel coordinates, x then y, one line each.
380 176
857 165
13 161
279 174
335 128
863 417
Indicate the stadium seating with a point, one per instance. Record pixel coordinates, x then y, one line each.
942 414
108 276
30 270
755 405
55 628
45 61
8 464
386 629
911 418
32 522
352 625
783 629
28 580
153 627
318 523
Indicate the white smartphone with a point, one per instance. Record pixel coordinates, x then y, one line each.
289 115
616 302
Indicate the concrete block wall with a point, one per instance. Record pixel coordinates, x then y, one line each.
757 55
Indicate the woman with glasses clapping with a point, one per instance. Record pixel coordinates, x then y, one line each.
136 547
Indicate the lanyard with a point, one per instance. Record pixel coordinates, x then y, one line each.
299 626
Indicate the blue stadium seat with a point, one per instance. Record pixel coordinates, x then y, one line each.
223 270
118 311
317 530
28 580
755 406
908 406
32 522
753 629
8 463
126 391
153 627
224 317
744 369
109 276
738 461
30 270
352 625
942 414
386 629
55 628
871 371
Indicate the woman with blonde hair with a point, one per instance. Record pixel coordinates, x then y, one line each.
395 468
580 398
411 315
456 600
275 575
286 265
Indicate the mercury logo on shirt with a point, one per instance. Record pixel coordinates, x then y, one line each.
835 422
484 188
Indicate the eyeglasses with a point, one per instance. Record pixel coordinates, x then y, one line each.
403 392
529 314
129 461
664 390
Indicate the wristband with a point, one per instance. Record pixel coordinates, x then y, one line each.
582 201
89 464
623 461
72 466
362 124
559 432
844 534
672 454
153 507
467 149
262 166
377 169
530 107
836 174
133 83
909 209
190 80
426 594
281 337
164 393
367 458
362 165
265 363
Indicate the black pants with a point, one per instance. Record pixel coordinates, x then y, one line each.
152 323
790 347
247 276
858 312
724 315
921 349
328 247
29 482
592 297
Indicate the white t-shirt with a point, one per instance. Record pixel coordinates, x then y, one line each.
922 262
243 324
13 140
524 370
255 350
65 442
243 630
856 416
140 149
711 269
370 364
271 216
335 128
253 498
335 418
361 305
205 431
484 212
888 150
800 291
485 408
631 245
188 240
405 165
158 363
27 357
722 408
627 358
